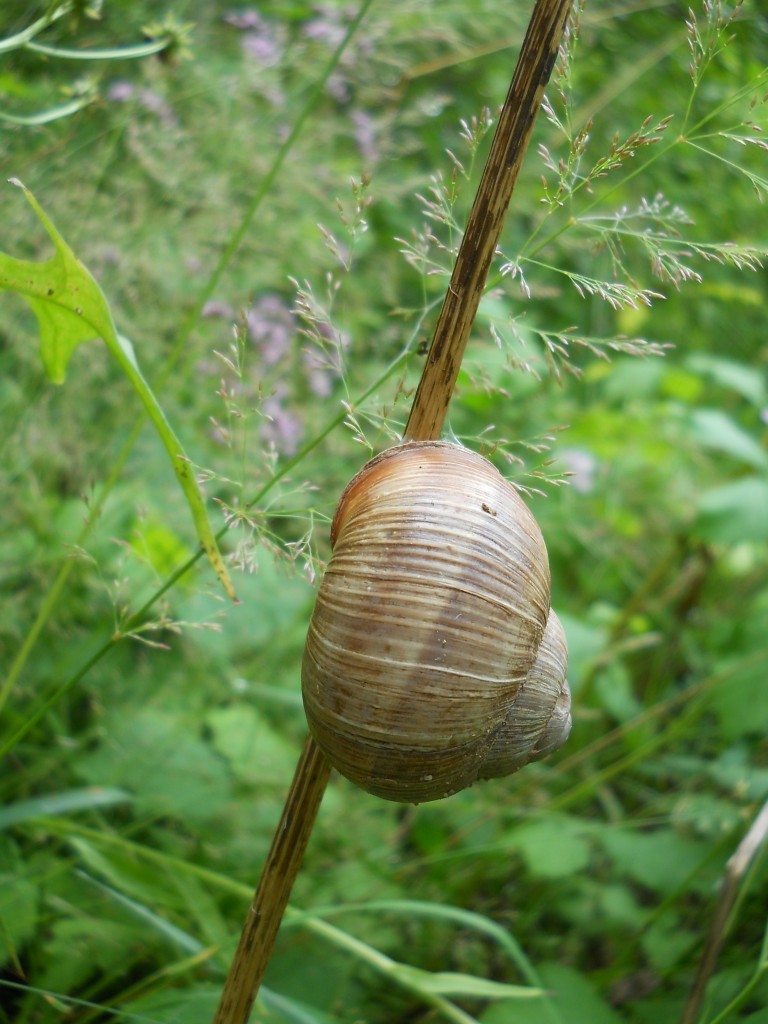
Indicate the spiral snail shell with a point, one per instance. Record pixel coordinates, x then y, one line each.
433 658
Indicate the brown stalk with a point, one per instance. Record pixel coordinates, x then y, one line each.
433 395
735 869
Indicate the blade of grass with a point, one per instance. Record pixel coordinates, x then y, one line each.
61 803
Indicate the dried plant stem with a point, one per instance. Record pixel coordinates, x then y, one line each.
534 66
735 869
271 897
481 235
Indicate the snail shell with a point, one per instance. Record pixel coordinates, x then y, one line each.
432 657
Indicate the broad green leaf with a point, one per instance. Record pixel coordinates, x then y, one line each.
158 758
613 688
71 309
599 907
68 303
742 706
88 946
712 428
19 900
661 861
747 381
575 1000
255 752
585 643
735 512
666 942
553 847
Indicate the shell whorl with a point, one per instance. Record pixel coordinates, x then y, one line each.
427 626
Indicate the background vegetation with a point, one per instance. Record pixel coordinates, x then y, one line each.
280 311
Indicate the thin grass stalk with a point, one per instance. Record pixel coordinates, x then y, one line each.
478 246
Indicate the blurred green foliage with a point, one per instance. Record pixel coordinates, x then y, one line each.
145 759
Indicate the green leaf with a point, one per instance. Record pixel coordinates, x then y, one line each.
19 901
735 512
405 908
155 755
61 803
666 942
553 847
255 752
745 380
127 874
71 309
575 999
712 428
448 983
197 1005
82 947
69 305
660 860
742 705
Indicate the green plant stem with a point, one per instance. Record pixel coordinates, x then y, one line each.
54 592
113 53
29 33
46 116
